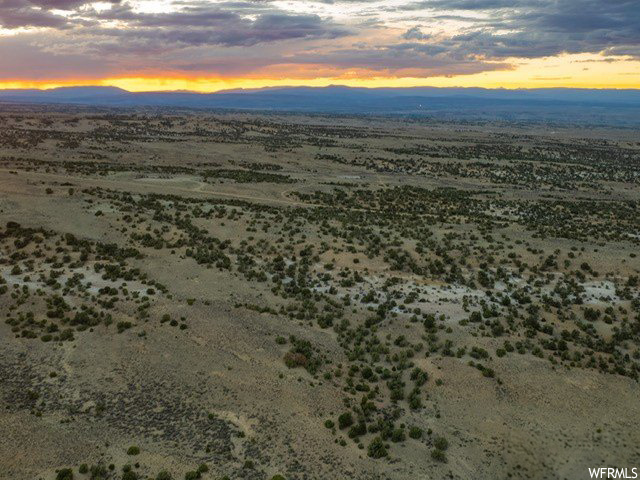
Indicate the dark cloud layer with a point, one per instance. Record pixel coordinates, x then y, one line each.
211 35
197 25
38 13
539 28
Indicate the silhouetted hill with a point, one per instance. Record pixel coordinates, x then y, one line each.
557 104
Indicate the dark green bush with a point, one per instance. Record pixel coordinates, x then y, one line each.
377 448
65 474
345 420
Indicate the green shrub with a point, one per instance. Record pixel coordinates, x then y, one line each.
65 474
345 420
133 450
441 443
438 455
398 435
357 430
99 471
377 448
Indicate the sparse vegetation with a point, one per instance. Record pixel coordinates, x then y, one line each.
169 303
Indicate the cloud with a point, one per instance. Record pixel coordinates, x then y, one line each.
23 57
226 24
27 17
212 37
415 33
38 13
539 28
469 4
217 27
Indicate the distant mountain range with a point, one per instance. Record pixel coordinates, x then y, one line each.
605 106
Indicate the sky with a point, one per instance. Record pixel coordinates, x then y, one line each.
144 45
